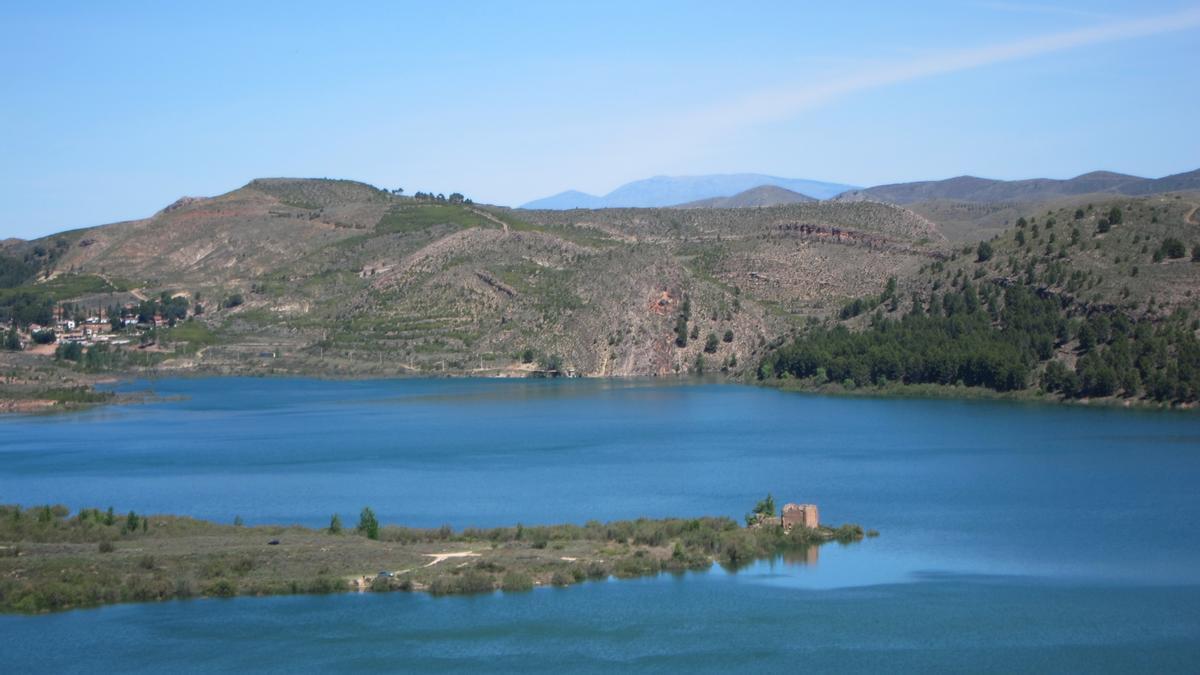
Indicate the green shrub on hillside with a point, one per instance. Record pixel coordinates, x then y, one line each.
983 252
1173 248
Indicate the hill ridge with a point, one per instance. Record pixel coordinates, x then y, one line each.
989 190
763 195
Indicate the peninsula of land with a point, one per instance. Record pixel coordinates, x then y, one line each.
51 559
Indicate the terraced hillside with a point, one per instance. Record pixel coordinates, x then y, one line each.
339 277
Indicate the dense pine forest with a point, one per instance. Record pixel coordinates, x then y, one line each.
1005 339
1021 312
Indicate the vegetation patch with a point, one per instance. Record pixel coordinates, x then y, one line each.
417 217
194 333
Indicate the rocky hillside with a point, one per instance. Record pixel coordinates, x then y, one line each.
341 278
337 276
231 238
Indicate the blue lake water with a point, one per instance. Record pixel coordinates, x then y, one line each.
1015 537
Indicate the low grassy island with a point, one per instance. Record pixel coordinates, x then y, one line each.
51 559
28 387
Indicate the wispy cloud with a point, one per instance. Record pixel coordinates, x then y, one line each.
1038 8
786 102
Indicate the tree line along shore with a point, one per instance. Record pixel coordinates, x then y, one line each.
52 559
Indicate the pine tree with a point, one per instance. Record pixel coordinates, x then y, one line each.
983 252
368 524
12 342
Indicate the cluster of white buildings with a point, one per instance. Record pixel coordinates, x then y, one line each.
96 330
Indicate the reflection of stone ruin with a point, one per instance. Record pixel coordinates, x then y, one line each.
804 515
806 555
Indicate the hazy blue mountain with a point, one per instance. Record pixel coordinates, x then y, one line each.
571 199
672 190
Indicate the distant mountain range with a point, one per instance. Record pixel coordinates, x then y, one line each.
972 189
764 195
673 190
752 189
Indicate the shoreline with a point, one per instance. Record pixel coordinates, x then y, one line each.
964 393
87 384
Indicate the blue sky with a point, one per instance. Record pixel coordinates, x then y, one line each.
113 110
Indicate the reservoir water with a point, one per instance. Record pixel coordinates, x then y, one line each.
1014 537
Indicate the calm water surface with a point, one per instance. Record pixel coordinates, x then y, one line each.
1015 537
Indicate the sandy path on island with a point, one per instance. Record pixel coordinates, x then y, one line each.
439 557
362 583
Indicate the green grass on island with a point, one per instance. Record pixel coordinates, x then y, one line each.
51 559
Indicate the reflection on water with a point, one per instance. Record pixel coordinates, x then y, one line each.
869 562
797 555
807 555
523 390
